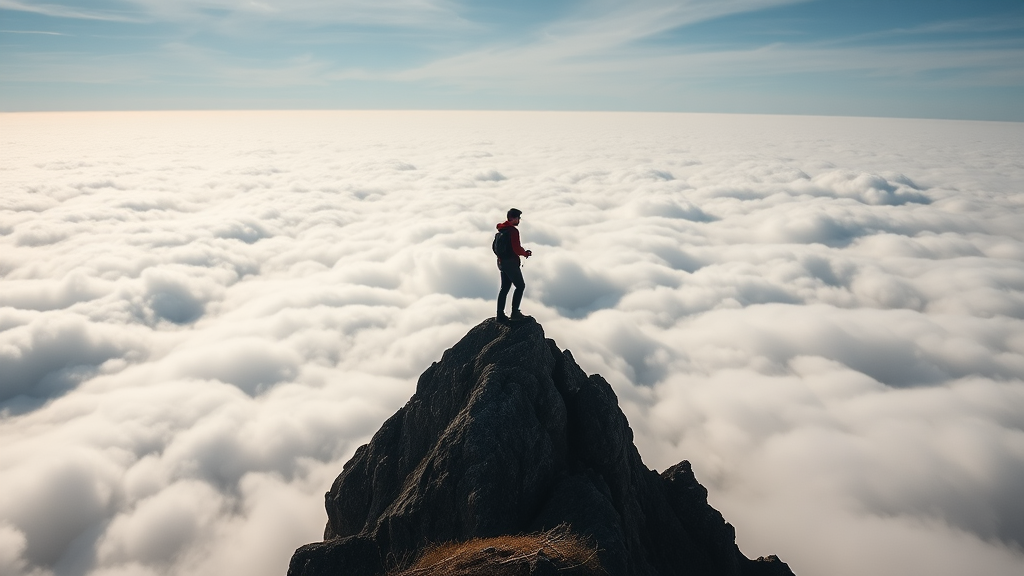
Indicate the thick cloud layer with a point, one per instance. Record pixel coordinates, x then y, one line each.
202 315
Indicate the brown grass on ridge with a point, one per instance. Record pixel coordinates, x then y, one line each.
557 551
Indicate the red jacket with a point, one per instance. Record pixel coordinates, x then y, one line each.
516 246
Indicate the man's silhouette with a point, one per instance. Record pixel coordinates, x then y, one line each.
508 250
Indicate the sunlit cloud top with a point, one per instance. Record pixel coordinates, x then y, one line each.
830 57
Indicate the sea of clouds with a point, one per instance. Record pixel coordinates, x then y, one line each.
203 314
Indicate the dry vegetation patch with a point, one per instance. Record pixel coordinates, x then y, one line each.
557 551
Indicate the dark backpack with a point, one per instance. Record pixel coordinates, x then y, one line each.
502 244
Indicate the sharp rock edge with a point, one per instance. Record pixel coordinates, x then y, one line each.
507 435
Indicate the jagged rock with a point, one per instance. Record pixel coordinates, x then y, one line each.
507 435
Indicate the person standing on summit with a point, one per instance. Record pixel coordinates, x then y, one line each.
507 248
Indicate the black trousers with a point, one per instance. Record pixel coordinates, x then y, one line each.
510 274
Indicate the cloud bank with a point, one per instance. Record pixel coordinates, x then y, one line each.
202 315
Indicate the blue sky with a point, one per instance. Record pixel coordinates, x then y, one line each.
910 58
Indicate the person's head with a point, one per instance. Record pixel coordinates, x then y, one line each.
514 215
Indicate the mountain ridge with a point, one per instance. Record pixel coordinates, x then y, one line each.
505 435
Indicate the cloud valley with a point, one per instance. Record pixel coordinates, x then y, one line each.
202 315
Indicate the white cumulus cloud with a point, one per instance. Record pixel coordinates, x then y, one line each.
202 315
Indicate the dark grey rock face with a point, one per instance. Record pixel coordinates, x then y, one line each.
506 435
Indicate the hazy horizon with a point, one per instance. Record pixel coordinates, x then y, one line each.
486 111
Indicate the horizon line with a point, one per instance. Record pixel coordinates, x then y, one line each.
497 110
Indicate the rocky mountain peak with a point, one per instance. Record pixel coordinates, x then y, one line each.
507 435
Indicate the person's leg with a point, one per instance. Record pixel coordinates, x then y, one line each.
506 284
516 277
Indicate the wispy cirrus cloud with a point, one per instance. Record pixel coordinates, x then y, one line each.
32 32
171 61
402 13
591 50
64 11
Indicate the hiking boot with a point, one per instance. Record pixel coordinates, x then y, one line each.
517 315
501 316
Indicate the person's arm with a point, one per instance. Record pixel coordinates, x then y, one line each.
517 247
